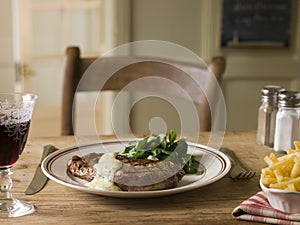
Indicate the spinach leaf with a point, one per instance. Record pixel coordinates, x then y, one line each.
162 147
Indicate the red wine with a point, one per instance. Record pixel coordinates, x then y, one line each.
13 138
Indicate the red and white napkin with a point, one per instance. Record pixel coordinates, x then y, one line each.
257 208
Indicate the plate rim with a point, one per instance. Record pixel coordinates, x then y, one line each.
226 165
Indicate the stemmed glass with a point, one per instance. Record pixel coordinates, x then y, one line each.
15 117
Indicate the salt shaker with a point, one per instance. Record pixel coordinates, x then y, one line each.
267 115
287 121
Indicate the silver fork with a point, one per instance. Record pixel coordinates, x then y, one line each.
237 171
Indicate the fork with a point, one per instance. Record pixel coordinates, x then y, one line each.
237 171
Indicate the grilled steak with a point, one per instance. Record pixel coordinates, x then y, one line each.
135 174
147 175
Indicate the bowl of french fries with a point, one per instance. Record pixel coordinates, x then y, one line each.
280 180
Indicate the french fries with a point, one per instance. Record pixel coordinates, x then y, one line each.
283 172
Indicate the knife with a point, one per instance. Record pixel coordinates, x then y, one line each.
39 179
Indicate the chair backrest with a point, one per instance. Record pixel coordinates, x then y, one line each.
75 66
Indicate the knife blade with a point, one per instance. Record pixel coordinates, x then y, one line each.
39 179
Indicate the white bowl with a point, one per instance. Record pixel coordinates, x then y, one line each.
285 201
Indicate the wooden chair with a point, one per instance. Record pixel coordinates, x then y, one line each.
75 67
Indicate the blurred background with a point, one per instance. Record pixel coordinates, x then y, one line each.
35 33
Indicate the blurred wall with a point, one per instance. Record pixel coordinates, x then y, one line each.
196 24
7 69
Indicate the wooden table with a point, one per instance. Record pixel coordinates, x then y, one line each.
212 204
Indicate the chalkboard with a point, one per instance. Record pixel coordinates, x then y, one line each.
256 23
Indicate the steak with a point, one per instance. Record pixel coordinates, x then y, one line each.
147 175
134 174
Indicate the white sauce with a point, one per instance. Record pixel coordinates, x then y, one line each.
105 171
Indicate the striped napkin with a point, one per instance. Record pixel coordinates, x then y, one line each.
257 208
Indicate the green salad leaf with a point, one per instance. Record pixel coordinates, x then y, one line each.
162 147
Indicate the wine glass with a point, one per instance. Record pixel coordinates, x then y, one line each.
15 117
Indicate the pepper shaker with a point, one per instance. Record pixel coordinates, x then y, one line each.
267 115
287 121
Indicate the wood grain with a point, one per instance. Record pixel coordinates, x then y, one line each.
211 204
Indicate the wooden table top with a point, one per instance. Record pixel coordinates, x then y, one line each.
212 204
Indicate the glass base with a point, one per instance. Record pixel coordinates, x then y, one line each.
15 208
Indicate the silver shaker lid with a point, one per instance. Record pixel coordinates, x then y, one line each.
289 99
270 93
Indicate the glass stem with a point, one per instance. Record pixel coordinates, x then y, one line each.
5 187
9 206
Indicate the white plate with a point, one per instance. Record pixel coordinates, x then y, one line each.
216 165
